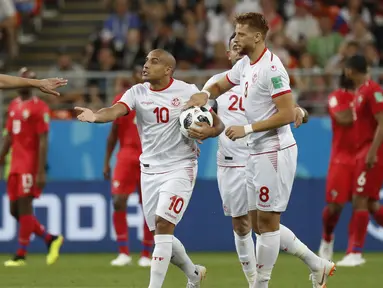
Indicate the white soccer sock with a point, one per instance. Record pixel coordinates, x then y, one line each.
292 245
246 255
267 254
183 261
160 260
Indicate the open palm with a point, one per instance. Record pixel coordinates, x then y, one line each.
86 115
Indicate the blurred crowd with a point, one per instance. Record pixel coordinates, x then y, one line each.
317 35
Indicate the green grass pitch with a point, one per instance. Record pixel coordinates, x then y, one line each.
224 271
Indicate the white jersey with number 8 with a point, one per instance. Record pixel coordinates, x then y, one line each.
261 82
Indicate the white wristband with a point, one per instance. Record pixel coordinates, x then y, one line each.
302 111
207 93
248 129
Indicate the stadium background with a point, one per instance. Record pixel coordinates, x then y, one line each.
80 41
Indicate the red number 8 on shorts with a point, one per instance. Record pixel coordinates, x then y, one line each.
264 194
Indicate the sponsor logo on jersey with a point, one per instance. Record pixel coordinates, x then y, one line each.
147 102
273 68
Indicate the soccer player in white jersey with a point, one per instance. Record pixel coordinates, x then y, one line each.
269 109
231 161
168 159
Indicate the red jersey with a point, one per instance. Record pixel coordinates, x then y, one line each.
343 142
368 102
130 144
26 121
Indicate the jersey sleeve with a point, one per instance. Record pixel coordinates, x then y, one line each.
234 75
376 100
129 99
43 119
338 103
278 80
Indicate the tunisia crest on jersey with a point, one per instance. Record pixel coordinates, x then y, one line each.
176 102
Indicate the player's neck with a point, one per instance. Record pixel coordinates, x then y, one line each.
359 81
257 53
161 84
25 97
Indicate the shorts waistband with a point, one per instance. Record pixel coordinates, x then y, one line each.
273 151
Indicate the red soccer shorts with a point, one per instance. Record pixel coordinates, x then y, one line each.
126 177
22 185
367 183
339 184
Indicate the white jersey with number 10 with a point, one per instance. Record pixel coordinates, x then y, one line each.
261 82
164 148
231 112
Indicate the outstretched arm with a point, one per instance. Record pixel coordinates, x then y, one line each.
103 115
45 85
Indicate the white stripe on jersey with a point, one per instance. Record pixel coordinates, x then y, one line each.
163 146
260 82
230 111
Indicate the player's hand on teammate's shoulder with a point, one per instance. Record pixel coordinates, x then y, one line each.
199 99
202 132
85 114
235 132
49 85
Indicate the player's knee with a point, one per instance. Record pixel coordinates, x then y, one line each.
24 206
263 276
268 221
242 225
360 203
373 206
164 226
119 203
335 208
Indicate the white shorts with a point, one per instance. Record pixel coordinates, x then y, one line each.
232 187
270 178
167 194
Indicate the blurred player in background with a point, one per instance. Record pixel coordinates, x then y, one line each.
45 85
27 134
368 175
168 159
340 177
269 108
125 181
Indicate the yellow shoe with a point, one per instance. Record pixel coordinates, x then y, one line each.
54 250
15 262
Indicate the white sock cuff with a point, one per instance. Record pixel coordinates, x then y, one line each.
242 238
271 234
163 238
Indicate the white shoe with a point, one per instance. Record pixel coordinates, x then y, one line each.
326 249
319 277
202 275
144 262
351 260
121 260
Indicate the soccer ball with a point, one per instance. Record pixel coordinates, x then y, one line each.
190 116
